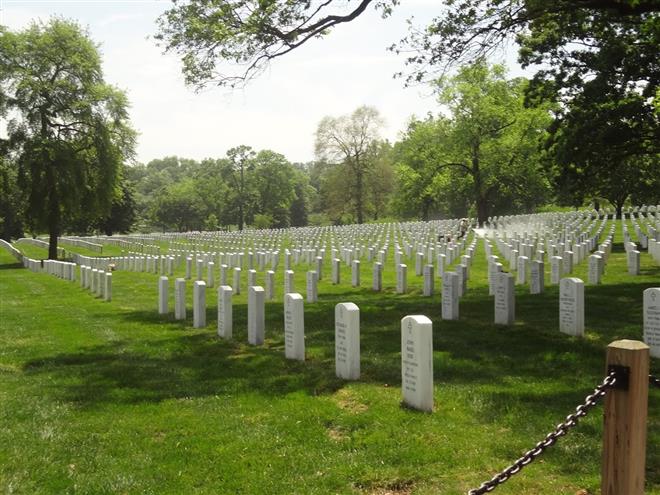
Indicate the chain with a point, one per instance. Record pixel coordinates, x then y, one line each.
654 381
551 438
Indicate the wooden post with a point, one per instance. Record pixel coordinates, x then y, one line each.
624 435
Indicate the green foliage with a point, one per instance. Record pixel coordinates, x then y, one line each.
179 207
68 131
274 182
11 202
484 154
300 206
122 211
211 223
179 194
263 221
598 58
227 42
469 30
237 171
353 145
604 142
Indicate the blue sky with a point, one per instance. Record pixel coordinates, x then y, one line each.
280 110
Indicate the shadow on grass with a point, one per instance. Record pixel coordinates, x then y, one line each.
11 266
470 351
527 370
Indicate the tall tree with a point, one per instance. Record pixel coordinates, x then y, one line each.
301 204
211 185
380 182
604 70
419 157
353 141
179 207
274 182
239 164
487 148
604 150
69 129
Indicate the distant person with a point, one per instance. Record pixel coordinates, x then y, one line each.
463 227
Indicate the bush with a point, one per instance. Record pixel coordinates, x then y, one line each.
319 220
263 221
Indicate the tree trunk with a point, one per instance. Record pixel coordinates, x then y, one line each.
482 211
241 199
618 204
426 204
54 217
480 199
53 226
358 193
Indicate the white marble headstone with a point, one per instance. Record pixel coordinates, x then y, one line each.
225 312
312 287
294 327
536 277
505 299
402 279
417 362
347 341
163 284
450 296
355 273
199 304
571 306
256 315
180 299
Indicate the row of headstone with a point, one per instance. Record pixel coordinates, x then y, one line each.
98 282
416 337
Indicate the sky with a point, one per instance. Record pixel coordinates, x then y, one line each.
280 110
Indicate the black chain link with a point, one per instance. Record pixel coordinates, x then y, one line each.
654 381
551 438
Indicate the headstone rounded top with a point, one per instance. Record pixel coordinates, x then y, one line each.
293 296
347 306
419 319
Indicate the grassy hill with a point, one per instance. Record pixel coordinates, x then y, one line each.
103 397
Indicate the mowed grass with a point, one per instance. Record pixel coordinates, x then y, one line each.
103 397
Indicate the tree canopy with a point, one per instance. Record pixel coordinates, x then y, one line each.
228 42
485 154
351 141
69 134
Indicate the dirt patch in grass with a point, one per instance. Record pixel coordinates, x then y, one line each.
395 487
337 434
349 402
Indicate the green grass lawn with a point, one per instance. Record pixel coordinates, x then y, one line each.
112 398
